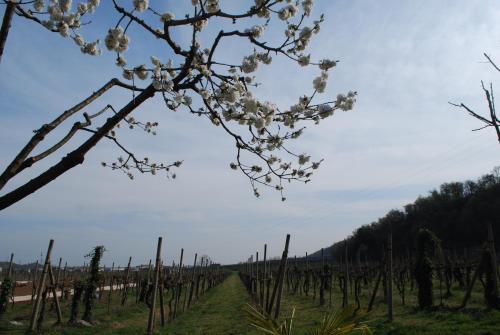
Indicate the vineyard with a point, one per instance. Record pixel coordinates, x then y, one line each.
427 293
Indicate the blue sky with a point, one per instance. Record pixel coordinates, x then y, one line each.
407 60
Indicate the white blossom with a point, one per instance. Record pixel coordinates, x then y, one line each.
39 5
265 58
167 17
82 7
303 159
65 5
128 74
212 6
141 72
326 64
288 12
250 63
141 5
156 62
64 29
307 5
116 40
256 31
121 61
79 40
304 60
199 25
319 83
346 102
325 110
91 48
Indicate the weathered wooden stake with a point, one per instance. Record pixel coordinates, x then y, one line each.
125 283
346 276
389 278
493 257
11 264
111 282
40 286
54 293
278 284
155 288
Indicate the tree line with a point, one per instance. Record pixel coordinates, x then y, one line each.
457 212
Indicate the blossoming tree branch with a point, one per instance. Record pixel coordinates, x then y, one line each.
191 78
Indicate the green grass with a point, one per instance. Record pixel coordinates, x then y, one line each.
221 311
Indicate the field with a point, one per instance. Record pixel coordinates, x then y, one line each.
221 311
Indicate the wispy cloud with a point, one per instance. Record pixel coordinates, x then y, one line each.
406 60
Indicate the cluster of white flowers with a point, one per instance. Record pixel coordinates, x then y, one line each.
304 37
304 60
91 48
141 5
39 5
199 25
251 62
252 113
116 40
141 71
346 102
63 20
213 6
303 159
87 48
167 17
161 79
325 110
256 31
326 64
319 83
288 12
230 94
180 98
307 5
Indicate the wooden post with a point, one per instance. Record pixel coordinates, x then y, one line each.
257 282
193 279
34 283
346 276
111 282
54 293
40 286
125 283
375 289
493 257
322 279
389 278
155 288
264 294
177 284
58 275
11 264
162 304
278 284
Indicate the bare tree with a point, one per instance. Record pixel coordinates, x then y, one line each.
195 80
491 118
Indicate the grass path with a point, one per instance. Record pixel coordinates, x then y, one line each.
220 312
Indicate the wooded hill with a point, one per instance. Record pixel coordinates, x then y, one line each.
457 213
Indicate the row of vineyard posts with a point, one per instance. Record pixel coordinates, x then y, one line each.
428 273
174 288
